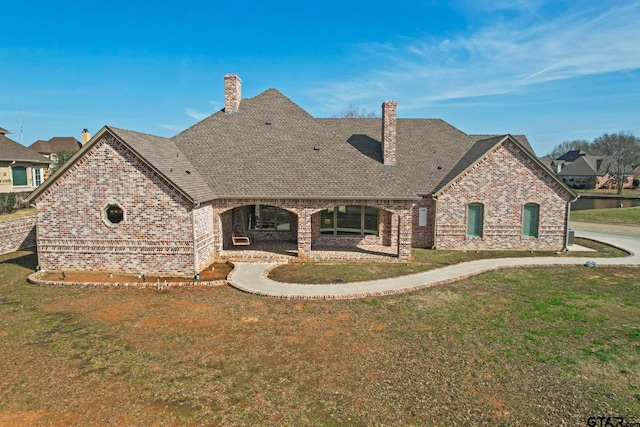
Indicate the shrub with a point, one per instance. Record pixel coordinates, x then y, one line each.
11 202
7 202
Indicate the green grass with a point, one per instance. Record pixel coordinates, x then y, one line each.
423 260
517 347
608 216
18 214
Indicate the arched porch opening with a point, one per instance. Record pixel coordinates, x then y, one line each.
271 230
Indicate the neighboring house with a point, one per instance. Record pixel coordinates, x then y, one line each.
265 170
578 169
21 169
52 148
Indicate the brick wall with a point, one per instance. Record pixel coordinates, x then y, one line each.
17 234
204 236
503 182
155 236
423 235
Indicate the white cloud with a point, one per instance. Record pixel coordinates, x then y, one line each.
195 114
500 57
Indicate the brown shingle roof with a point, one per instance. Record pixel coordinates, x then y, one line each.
272 148
55 144
11 150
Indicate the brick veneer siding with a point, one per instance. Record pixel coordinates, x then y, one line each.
308 221
155 235
423 235
204 236
504 182
17 234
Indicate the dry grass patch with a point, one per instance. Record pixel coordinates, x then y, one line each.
526 347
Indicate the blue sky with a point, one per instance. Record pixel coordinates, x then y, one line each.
553 70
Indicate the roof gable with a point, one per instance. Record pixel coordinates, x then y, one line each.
159 153
484 148
578 167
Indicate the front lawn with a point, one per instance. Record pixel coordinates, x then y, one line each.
423 260
608 216
517 347
18 214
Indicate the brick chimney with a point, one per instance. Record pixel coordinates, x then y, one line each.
232 93
389 132
86 136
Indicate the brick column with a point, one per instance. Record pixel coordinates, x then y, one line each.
404 236
217 234
304 234
394 229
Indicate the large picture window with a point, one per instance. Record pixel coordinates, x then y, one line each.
475 218
270 218
348 220
530 220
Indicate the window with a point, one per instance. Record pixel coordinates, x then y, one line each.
265 217
345 220
475 218
37 177
530 220
19 175
114 214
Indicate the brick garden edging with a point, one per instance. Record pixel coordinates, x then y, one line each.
35 279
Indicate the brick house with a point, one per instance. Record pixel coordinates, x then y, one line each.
263 167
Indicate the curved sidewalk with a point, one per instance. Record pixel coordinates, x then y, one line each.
252 277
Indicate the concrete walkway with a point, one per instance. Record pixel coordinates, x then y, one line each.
252 277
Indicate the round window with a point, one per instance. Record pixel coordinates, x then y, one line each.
115 214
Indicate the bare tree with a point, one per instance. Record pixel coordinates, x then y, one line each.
353 112
563 147
623 148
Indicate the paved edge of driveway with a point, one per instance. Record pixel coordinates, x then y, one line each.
253 277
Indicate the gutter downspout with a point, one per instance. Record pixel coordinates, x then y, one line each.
193 236
435 221
566 226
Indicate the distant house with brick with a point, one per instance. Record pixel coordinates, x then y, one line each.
578 169
262 173
21 169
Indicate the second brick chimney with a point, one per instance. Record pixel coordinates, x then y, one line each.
232 93
389 132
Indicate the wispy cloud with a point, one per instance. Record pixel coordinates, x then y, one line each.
195 114
541 43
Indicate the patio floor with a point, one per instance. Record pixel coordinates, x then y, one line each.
288 251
